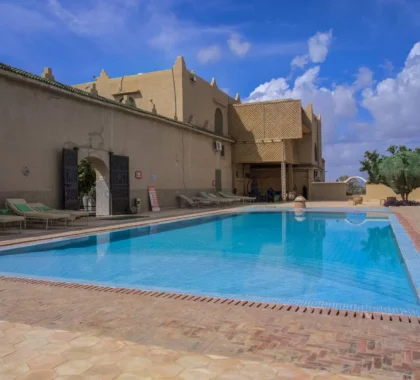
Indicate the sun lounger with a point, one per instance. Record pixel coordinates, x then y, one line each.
194 202
242 198
43 208
20 207
7 219
250 199
214 202
213 197
205 196
227 200
235 198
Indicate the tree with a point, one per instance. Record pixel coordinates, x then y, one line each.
343 178
393 149
401 171
87 177
371 161
371 165
356 186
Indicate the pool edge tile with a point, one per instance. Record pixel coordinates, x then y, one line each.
409 252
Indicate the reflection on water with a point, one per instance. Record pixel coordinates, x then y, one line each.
312 256
300 215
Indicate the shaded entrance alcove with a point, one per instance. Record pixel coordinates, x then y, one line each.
102 200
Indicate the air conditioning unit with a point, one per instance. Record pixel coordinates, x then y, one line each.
217 146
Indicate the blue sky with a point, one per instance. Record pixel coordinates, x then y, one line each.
358 61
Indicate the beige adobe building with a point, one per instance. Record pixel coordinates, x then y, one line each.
279 144
176 93
266 134
169 129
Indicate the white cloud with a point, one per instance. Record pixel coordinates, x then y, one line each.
19 19
237 47
19 25
300 61
393 104
388 67
209 54
318 46
269 90
343 158
135 25
166 32
344 101
134 28
364 78
98 19
414 53
394 101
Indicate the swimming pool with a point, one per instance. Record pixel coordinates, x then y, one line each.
329 259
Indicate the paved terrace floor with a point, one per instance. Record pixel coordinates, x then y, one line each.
75 333
37 353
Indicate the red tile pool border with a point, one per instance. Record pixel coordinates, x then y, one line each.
273 307
410 229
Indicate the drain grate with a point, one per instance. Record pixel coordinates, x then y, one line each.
225 301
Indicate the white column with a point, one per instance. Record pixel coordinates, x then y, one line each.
290 179
283 180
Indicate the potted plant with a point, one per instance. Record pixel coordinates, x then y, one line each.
91 202
87 180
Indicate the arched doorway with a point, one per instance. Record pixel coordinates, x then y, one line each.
356 185
356 177
218 121
99 193
102 186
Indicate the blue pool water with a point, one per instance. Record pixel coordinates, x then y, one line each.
335 258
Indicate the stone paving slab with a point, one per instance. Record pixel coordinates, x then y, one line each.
343 346
82 356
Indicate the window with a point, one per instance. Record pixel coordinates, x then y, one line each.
128 101
316 152
131 102
218 122
222 152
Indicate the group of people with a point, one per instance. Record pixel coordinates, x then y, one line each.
270 194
